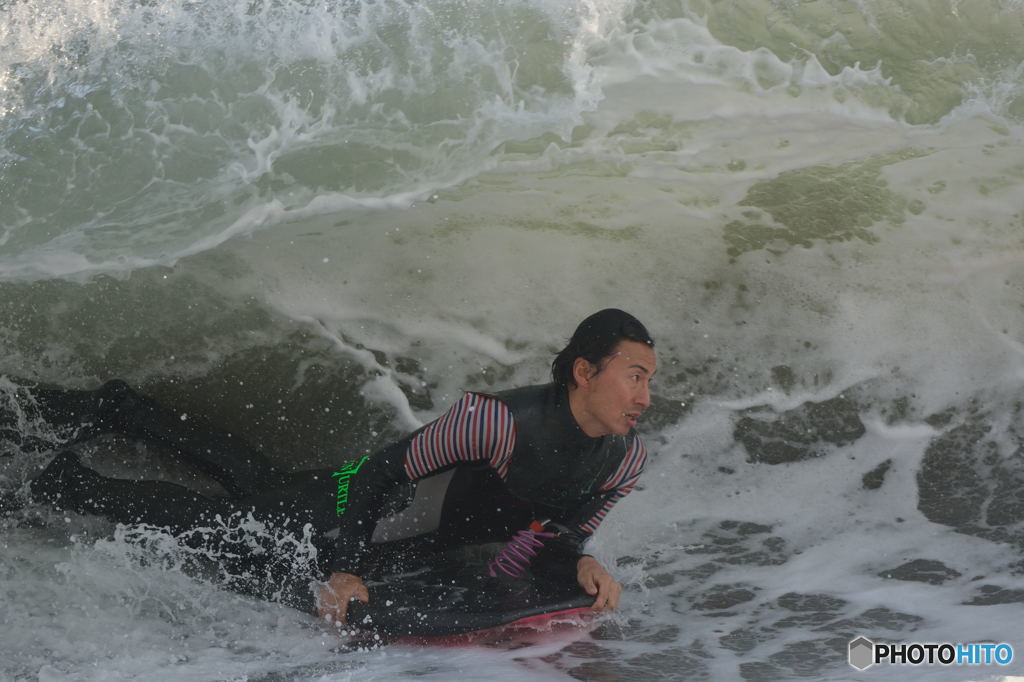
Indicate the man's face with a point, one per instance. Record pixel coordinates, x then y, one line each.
610 401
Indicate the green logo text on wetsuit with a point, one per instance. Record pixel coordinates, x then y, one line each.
343 474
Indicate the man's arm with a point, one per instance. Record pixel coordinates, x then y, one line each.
476 428
582 523
563 557
361 485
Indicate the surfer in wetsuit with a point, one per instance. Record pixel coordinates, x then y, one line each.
563 452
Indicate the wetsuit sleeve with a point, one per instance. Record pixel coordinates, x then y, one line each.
561 555
477 428
361 486
614 488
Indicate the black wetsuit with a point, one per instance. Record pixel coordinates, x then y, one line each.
516 456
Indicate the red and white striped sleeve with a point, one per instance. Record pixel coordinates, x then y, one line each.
619 484
476 428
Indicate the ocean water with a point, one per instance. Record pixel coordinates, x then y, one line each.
317 223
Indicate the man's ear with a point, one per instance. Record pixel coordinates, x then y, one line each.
582 371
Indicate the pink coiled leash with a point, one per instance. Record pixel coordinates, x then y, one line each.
516 555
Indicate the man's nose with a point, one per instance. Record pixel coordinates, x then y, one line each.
643 398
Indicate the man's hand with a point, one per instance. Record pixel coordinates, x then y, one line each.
340 588
596 581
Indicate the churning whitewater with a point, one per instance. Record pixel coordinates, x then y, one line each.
317 223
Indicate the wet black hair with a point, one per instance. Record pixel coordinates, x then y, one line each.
595 339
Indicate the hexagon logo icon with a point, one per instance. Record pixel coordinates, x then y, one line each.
862 653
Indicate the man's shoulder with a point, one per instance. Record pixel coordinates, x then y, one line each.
514 396
634 443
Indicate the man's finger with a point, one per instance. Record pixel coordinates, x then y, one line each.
608 595
333 608
613 596
595 583
335 614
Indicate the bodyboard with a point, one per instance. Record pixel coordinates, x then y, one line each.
446 598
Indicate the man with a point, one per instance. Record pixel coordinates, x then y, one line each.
560 454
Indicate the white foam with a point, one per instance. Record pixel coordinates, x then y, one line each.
477 265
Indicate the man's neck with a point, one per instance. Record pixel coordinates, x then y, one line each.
577 406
